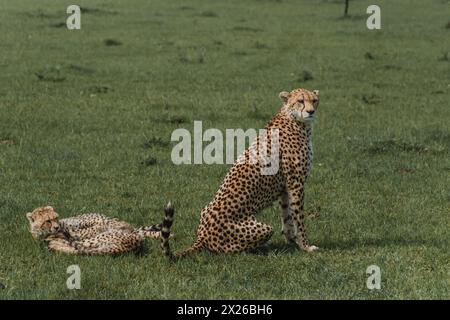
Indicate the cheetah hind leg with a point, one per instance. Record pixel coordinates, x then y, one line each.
249 234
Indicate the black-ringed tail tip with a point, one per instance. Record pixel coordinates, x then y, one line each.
165 231
169 210
168 218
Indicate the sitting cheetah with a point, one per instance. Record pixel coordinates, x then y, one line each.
228 222
92 233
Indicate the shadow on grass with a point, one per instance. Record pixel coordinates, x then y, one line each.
97 11
41 14
58 25
356 243
173 119
350 244
150 161
112 42
208 14
246 29
352 17
155 142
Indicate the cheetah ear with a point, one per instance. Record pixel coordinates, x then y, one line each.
316 92
30 217
284 96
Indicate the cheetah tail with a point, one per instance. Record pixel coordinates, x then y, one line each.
197 246
165 231
165 236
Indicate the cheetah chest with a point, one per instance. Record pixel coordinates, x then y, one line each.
309 155
306 151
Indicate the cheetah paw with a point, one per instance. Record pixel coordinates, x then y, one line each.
310 248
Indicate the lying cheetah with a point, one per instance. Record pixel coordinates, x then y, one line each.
228 223
92 233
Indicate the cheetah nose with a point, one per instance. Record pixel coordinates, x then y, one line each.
311 112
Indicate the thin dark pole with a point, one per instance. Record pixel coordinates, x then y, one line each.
346 8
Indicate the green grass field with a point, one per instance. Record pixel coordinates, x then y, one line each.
86 118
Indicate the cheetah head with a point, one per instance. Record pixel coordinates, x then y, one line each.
43 222
301 103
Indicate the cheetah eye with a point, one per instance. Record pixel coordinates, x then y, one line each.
315 101
301 101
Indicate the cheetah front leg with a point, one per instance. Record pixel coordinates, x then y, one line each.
287 223
61 245
296 208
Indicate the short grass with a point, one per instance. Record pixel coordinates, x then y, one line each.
86 118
